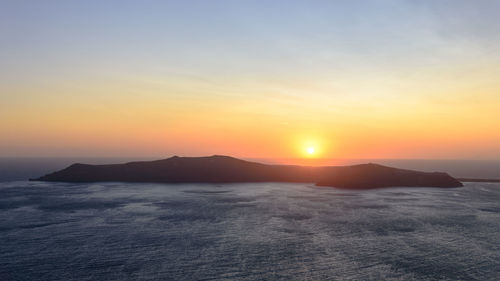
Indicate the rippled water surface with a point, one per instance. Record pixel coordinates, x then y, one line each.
118 231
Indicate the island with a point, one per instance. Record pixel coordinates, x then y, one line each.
478 180
226 169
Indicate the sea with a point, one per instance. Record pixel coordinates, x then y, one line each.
251 231
264 231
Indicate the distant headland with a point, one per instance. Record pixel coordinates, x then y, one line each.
225 169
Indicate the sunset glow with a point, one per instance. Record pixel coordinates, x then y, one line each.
249 139
163 79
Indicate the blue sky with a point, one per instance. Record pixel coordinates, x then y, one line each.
243 36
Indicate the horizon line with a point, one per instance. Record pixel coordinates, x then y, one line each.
245 157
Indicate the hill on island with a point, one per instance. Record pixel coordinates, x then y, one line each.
225 169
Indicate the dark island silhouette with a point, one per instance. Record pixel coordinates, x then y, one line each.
225 169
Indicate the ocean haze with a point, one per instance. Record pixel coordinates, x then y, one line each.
266 231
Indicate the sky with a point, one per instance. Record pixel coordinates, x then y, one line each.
351 79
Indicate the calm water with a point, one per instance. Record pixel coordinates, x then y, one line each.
117 231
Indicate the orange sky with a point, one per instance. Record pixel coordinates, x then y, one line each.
422 83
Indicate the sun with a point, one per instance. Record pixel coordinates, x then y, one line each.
310 150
